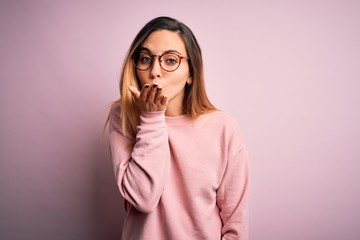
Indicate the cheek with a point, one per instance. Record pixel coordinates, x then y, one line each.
176 81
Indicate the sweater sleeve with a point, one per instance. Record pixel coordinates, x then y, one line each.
141 171
232 194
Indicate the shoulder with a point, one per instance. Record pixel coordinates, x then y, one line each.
220 119
219 122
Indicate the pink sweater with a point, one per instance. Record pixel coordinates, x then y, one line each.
183 179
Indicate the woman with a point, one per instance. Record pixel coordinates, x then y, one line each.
180 164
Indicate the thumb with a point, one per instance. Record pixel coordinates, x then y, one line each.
134 91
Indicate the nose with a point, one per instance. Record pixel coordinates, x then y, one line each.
155 70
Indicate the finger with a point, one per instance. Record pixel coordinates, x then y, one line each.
144 92
164 100
159 94
152 92
134 92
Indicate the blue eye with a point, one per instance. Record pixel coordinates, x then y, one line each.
145 60
170 59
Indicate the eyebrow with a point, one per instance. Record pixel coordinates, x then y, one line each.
167 51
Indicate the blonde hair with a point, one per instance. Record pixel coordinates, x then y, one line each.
195 100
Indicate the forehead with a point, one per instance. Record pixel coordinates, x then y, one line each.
163 40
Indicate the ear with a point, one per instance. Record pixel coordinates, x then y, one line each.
189 80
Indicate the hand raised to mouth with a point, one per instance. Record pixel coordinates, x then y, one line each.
151 98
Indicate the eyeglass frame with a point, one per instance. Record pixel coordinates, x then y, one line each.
152 56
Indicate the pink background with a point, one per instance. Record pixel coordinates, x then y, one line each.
287 71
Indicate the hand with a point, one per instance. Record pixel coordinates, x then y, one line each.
151 98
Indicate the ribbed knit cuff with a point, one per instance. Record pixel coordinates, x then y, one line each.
152 119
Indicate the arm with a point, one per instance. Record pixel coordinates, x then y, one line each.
141 172
232 196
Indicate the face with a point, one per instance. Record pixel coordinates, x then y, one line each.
174 82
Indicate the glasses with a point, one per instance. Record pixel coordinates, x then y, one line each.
169 62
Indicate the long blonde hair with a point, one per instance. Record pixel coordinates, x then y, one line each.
195 100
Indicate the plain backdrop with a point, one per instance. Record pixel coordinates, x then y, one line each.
287 71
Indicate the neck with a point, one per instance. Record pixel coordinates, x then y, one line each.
174 108
173 113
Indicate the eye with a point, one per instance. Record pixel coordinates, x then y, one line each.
145 58
170 59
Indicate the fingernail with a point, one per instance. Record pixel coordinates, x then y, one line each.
155 85
146 85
